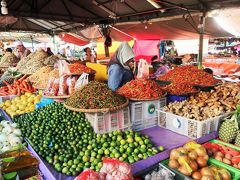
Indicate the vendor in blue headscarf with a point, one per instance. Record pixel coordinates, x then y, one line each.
119 70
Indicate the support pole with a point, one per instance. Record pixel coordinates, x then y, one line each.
201 33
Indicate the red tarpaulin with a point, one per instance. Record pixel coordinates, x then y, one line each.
74 39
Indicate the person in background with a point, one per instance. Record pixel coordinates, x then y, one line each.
21 50
119 70
89 56
49 51
68 52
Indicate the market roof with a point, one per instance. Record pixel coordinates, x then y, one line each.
64 15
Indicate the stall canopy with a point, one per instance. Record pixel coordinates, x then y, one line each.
55 16
73 38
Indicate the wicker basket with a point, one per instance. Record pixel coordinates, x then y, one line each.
56 97
135 99
98 110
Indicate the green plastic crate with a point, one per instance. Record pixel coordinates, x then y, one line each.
225 144
235 173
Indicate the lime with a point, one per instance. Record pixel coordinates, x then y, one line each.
93 154
100 164
100 151
130 140
121 159
124 156
161 148
140 156
136 151
70 163
64 170
76 161
85 158
146 141
106 152
138 139
117 155
129 150
89 147
122 142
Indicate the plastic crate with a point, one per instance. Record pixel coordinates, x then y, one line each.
110 121
143 113
235 173
188 127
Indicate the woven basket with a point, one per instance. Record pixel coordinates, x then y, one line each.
135 99
40 88
98 110
56 97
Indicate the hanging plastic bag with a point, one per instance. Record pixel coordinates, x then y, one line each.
63 88
82 81
71 82
63 68
143 69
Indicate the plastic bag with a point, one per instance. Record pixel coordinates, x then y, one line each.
63 88
49 86
143 69
115 169
63 68
82 81
89 174
71 82
54 89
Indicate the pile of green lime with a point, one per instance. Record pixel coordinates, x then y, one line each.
66 140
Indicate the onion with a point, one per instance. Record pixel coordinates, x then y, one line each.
201 162
184 171
218 153
193 155
207 178
206 171
225 176
228 156
197 175
201 151
173 164
174 154
219 158
182 150
227 161
193 165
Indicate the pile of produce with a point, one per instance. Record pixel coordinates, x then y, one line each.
191 160
17 88
32 62
189 75
160 173
21 104
69 143
10 136
223 153
229 130
44 79
95 95
78 68
141 89
180 89
205 105
8 59
9 76
38 74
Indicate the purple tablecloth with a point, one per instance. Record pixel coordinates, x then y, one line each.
158 135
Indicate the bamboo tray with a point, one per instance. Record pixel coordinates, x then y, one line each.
56 97
97 110
135 99
72 74
40 88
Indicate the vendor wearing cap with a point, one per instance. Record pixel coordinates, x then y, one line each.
21 50
119 70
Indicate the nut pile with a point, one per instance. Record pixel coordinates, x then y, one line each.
205 105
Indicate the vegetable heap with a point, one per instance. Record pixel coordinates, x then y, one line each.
141 89
205 105
191 160
180 89
223 153
95 95
78 68
67 141
189 75
17 88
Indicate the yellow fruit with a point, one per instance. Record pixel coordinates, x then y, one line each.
7 103
40 92
23 97
17 98
32 108
1 105
28 94
14 107
18 111
22 107
30 99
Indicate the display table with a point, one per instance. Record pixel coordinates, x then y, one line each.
222 68
158 135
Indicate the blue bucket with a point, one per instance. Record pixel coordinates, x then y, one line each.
174 98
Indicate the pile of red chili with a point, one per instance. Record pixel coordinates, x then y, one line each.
189 75
78 68
141 89
95 95
180 89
